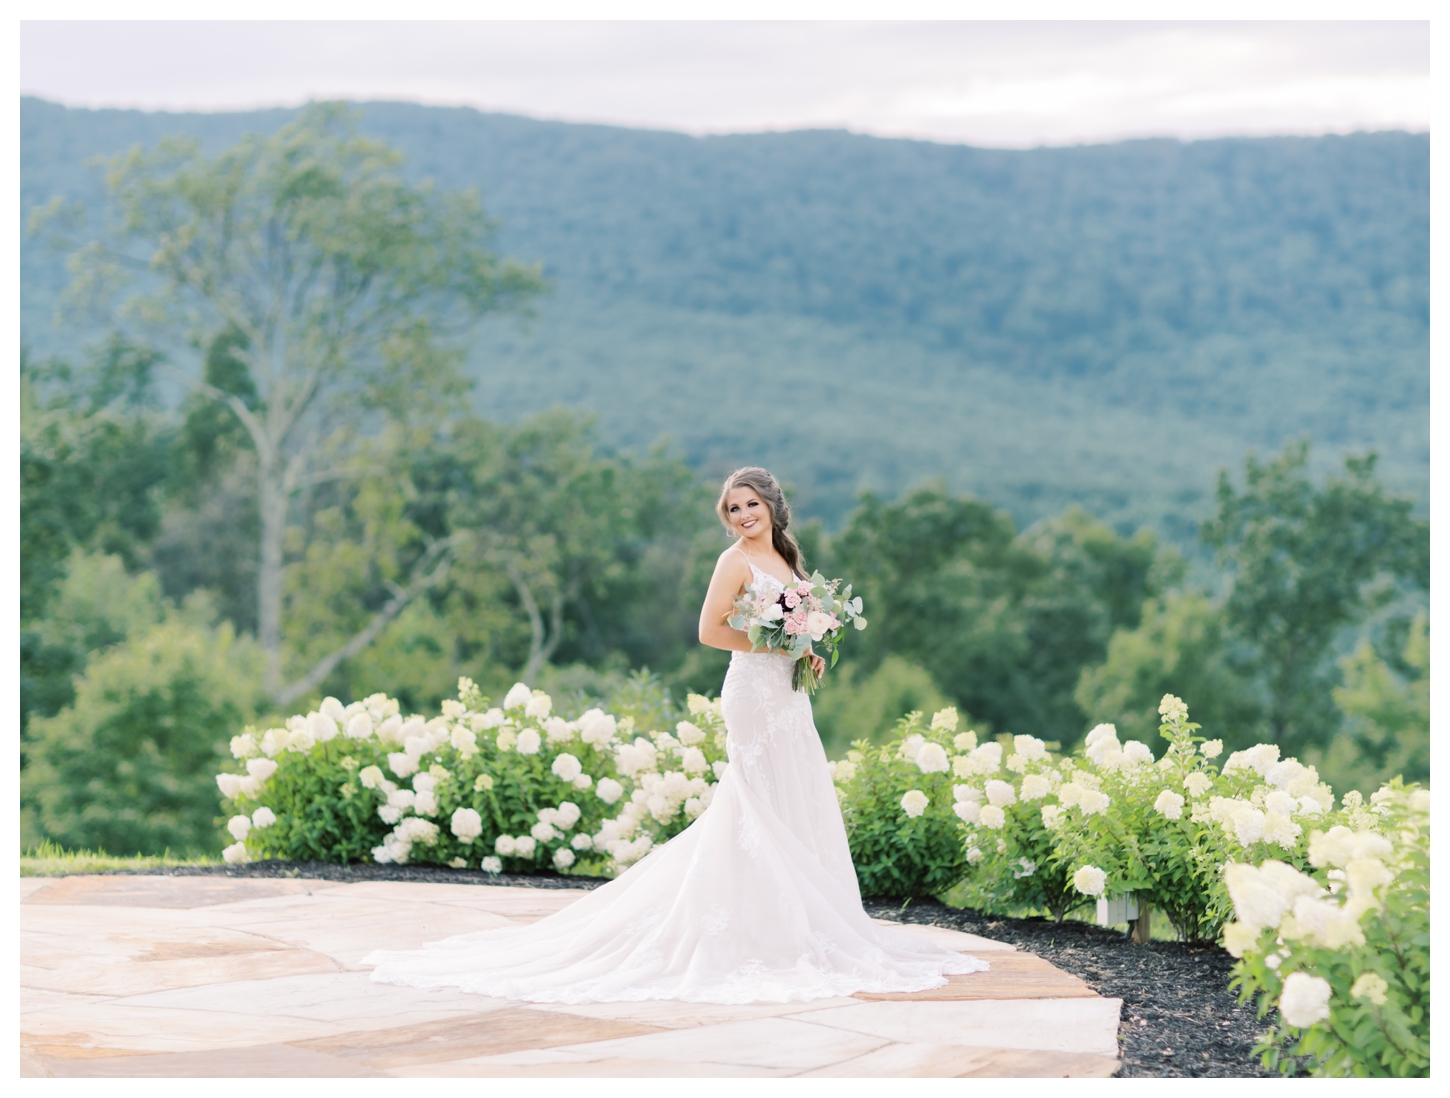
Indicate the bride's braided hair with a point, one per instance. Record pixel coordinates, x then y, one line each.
768 489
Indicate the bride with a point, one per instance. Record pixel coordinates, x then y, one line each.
756 900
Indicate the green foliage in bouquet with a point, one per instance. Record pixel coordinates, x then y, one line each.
1344 950
897 802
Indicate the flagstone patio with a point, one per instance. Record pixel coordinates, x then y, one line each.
131 976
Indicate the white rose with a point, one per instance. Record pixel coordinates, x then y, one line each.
529 742
1305 999
818 624
263 817
466 824
932 759
608 790
1090 880
566 767
236 854
518 695
914 802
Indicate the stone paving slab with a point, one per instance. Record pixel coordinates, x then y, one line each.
205 977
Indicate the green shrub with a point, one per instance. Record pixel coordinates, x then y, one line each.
1344 950
127 768
515 787
897 802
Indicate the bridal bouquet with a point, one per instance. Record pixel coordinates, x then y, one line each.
808 612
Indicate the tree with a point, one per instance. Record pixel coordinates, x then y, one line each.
1003 621
337 285
1306 562
129 767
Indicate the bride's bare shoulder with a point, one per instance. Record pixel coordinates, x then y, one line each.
731 562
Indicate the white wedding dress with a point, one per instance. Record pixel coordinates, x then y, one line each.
756 900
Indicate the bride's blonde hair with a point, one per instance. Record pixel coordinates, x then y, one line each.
768 489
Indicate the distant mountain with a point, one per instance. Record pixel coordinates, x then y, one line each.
1102 324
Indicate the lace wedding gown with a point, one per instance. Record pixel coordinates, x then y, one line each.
756 900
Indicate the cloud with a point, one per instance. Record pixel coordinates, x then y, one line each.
990 83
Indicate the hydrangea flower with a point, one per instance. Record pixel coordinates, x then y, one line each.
518 695
965 741
1169 804
1305 999
992 816
1035 787
491 865
239 826
529 742
243 746
1051 815
1371 986
230 785
845 771
968 811
1090 880
608 790
1093 802
582 841
1000 793
538 705
1211 749
1029 747
236 854
402 764
1172 709
914 802
263 817
543 832
261 769
566 767
1197 783
563 858
931 758
466 824
944 719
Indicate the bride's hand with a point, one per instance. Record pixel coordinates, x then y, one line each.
818 664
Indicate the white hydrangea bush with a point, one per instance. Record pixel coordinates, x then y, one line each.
666 779
1164 828
509 787
897 802
1006 797
1341 947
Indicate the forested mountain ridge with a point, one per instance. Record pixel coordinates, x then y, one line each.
1104 324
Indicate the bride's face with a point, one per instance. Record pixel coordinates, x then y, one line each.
749 516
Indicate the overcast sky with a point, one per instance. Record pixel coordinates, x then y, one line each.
1002 84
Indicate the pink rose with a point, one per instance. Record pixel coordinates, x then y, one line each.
791 600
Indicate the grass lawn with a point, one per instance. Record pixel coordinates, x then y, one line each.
49 860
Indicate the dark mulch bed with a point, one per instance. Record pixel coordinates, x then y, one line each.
1179 1018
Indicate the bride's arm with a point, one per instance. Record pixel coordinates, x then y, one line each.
732 573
